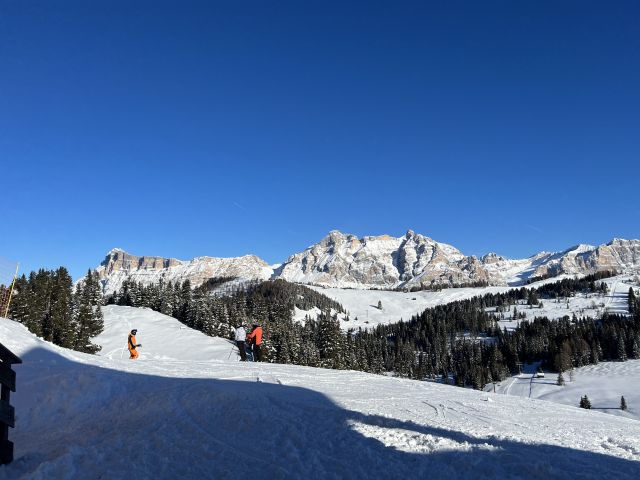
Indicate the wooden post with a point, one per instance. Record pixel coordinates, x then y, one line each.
15 275
7 412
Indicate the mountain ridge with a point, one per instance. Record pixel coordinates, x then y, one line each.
412 261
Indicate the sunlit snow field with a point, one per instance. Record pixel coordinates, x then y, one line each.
363 312
183 412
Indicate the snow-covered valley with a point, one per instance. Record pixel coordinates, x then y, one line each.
183 410
362 305
604 384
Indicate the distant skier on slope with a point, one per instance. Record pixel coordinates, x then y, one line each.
131 343
241 337
256 340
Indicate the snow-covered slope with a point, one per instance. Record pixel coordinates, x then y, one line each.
153 331
361 305
603 383
84 416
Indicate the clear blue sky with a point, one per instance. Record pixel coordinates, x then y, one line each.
226 128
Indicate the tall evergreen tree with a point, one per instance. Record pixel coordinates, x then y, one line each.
89 319
19 307
622 349
63 328
330 341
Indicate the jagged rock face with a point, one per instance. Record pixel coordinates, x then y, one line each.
620 255
119 265
492 258
570 261
343 260
118 260
346 261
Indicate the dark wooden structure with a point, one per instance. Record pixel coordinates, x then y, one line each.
7 413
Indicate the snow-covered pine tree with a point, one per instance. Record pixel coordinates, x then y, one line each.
185 300
197 315
63 327
39 304
585 402
88 315
19 308
622 349
560 380
404 359
635 346
330 341
167 300
533 299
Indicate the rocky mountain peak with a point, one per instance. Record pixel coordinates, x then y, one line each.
335 237
345 260
492 257
119 265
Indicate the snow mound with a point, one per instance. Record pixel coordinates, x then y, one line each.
89 416
154 331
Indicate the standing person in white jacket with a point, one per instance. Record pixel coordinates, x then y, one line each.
241 337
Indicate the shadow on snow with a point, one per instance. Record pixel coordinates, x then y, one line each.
80 420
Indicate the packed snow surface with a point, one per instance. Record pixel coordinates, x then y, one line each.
154 329
604 384
190 416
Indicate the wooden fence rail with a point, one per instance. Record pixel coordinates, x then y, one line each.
7 412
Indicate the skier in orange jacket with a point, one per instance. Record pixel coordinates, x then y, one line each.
131 343
255 337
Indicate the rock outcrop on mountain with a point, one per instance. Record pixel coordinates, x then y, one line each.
621 255
120 265
346 261
342 260
416 261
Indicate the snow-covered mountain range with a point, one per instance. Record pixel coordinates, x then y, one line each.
346 261
415 260
120 265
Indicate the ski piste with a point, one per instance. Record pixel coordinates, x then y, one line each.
302 422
